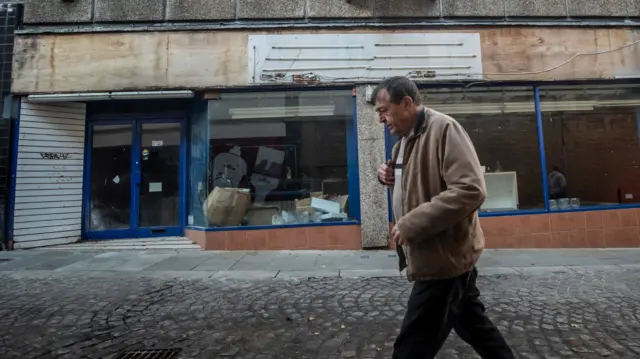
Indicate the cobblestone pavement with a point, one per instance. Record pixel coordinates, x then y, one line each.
100 315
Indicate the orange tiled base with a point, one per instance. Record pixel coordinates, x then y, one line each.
594 229
318 238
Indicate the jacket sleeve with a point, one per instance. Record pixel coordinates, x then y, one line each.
394 155
461 171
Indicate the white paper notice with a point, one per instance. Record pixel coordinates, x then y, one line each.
155 186
156 143
116 179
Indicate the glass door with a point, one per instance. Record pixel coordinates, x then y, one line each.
158 180
109 169
135 179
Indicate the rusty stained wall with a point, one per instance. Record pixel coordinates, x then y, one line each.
198 60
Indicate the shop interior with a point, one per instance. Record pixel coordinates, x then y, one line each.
277 158
591 136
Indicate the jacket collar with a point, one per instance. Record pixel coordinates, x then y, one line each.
420 125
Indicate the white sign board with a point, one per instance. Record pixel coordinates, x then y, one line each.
363 57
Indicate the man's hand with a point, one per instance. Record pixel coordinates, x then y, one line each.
386 173
397 237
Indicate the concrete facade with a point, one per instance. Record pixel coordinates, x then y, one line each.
57 63
108 11
371 153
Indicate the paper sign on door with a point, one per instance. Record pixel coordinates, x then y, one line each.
155 186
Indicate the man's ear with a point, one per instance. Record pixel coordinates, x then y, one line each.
407 102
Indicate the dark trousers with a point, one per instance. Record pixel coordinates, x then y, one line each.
437 306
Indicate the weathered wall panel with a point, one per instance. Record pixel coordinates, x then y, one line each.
539 54
172 60
48 203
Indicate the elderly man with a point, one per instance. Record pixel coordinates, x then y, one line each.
438 187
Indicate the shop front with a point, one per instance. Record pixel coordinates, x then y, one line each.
274 170
230 170
254 140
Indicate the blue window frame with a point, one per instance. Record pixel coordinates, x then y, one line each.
134 228
541 149
213 118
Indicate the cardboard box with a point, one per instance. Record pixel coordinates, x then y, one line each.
261 215
227 206
324 205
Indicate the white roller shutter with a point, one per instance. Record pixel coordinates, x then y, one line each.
48 201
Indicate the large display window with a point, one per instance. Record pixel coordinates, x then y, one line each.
501 122
550 148
274 159
592 145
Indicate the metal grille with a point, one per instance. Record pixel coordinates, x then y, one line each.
151 354
10 19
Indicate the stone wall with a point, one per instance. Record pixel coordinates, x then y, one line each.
154 11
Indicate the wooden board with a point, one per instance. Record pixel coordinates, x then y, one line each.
198 60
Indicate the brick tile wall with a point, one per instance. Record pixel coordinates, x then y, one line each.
302 238
592 229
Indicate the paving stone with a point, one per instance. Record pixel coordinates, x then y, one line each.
497 271
574 314
305 275
245 274
180 262
543 270
370 273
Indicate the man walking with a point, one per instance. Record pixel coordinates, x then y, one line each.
438 187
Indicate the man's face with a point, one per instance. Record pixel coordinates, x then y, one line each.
398 118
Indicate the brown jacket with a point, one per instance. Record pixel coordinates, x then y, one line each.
443 188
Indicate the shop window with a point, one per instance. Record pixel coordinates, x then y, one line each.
273 158
501 122
591 145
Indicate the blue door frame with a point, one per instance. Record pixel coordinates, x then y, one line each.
134 230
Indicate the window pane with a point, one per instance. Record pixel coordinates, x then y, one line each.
277 158
110 177
501 123
591 145
198 161
160 175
